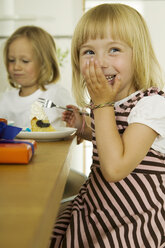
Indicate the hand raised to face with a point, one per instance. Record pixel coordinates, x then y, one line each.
102 89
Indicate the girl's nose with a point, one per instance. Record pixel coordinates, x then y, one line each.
102 60
17 65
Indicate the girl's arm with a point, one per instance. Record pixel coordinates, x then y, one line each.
119 155
82 123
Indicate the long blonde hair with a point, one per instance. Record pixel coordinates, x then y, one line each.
125 24
45 50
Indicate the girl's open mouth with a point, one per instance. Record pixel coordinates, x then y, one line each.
110 78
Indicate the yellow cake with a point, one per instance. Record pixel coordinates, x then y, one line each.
39 120
41 126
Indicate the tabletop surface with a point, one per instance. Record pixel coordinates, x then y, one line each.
30 195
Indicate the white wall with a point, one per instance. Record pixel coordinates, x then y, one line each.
57 17
154 14
63 14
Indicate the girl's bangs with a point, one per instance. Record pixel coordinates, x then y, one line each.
102 27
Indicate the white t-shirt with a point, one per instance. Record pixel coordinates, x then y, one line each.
17 109
150 110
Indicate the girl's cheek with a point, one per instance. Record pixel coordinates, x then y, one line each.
9 69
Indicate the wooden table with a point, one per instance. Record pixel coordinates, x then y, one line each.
30 195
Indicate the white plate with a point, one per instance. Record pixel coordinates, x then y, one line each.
60 133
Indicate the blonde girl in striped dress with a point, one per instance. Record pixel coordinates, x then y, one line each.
122 203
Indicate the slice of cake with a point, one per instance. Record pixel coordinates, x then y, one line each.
39 120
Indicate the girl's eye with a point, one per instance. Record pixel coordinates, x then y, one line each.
25 61
11 60
114 50
89 52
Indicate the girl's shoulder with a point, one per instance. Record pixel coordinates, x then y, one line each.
150 110
153 91
149 106
152 98
10 93
151 101
134 98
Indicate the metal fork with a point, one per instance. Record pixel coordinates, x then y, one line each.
46 103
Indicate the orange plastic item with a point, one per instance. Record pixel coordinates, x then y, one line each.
16 153
3 120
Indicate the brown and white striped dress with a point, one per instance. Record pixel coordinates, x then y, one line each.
126 214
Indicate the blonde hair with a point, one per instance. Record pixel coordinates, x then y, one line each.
45 52
125 24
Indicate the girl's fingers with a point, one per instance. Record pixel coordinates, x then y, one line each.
88 78
92 72
98 86
70 106
99 74
87 75
117 83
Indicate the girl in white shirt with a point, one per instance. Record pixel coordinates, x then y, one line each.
33 72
